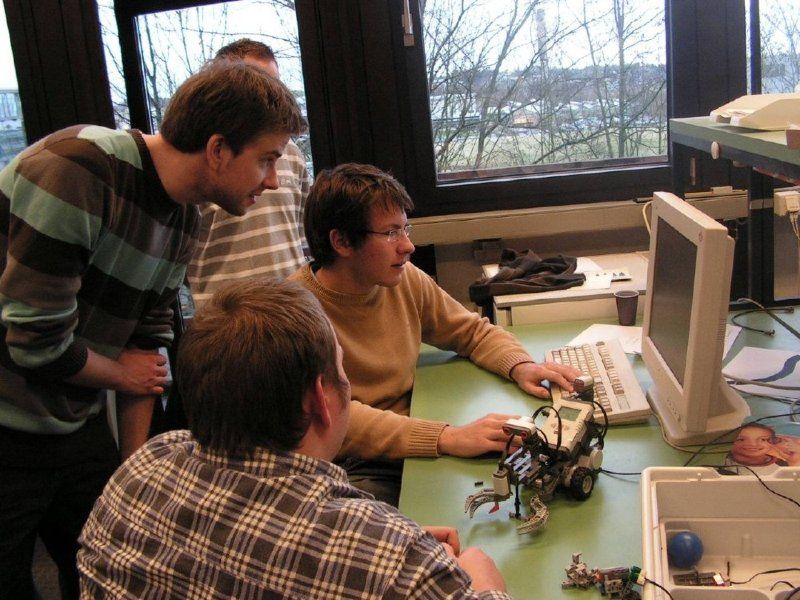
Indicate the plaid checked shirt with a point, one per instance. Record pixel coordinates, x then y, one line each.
179 521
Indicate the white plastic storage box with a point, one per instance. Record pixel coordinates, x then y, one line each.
744 528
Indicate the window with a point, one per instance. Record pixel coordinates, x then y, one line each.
12 130
529 87
173 44
535 103
160 49
779 42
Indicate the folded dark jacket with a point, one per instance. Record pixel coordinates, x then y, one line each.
525 273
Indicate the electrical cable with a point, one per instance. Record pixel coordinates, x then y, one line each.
504 455
761 481
793 222
541 433
772 314
769 572
782 581
769 332
774 386
645 217
659 586
605 422
607 472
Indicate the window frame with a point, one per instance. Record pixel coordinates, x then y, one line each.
369 101
434 197
321 111
126 13
60 65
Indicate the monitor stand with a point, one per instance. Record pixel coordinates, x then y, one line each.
726 413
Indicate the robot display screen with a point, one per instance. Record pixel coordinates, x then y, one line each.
569 414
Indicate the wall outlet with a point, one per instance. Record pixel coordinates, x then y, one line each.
786 201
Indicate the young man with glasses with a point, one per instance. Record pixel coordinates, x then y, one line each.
382 308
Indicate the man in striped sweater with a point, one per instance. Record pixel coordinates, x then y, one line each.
268 240
96 229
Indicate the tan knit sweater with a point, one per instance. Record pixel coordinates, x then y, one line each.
380 334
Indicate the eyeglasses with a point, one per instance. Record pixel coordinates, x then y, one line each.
393 235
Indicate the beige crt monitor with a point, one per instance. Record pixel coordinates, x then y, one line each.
686 308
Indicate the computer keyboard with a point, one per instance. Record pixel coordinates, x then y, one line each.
615 385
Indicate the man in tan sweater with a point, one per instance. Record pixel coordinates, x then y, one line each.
382 308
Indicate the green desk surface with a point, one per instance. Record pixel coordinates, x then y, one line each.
606 527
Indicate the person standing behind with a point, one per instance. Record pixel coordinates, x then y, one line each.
382 308
269 240
246 504
97 229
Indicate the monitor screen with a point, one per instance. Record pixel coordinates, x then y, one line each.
683 336
673 287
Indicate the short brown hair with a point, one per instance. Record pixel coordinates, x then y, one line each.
244 48
232 98
246 361
341 198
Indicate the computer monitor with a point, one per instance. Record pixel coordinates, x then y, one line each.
686 308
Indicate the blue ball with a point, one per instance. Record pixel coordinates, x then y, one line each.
684 550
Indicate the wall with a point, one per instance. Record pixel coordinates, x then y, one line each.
457 269
578 230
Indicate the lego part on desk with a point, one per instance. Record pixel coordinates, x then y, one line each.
578 574
613 582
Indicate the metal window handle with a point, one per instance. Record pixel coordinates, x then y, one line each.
408 26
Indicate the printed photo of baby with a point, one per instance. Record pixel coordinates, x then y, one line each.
759 446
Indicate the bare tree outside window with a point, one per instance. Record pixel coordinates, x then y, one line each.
176 43
519 86
780 46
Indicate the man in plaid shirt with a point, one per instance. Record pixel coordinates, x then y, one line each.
247 503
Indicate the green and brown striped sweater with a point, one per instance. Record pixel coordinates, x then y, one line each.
93 252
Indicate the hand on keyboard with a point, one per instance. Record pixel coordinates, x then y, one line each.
529 377
616 388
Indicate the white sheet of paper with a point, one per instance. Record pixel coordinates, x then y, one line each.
731 333
586 264
781 367
629 337
597 280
